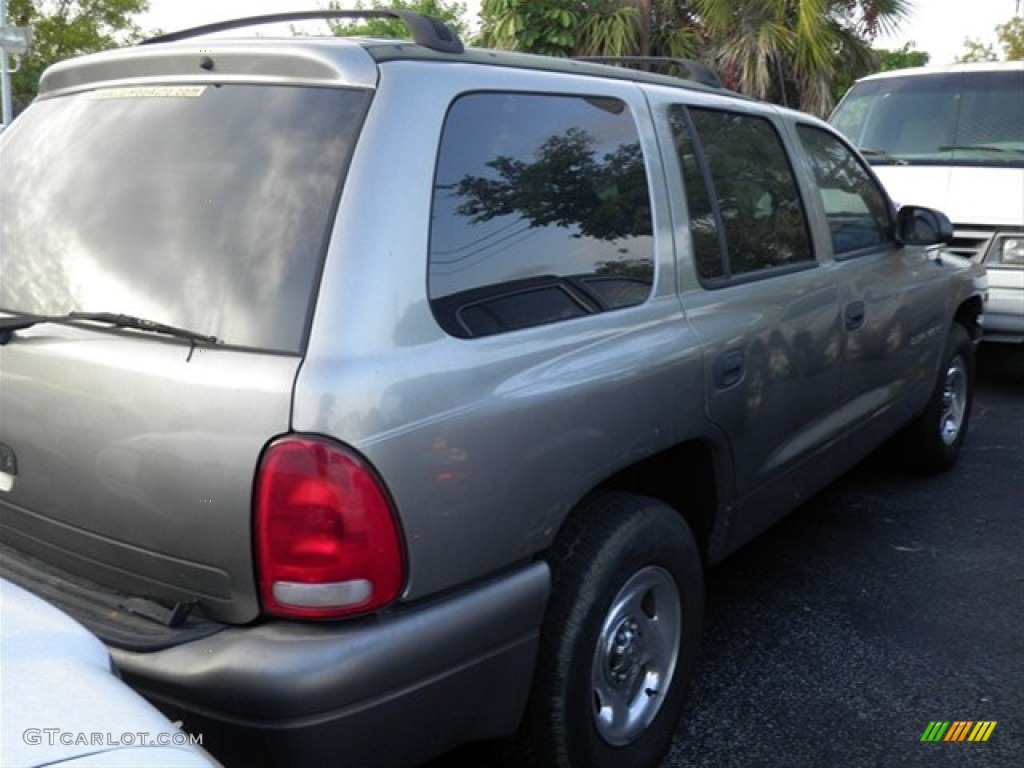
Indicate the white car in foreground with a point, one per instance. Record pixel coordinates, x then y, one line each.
61 703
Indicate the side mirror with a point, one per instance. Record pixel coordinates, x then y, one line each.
923 226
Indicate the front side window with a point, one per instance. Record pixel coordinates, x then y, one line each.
855 206
754 215
541 213
205 207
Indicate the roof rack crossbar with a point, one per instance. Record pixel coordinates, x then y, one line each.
694 69
426 30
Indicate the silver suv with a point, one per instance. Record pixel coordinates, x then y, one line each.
369 397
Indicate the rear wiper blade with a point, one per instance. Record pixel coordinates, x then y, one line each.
9 325
141 324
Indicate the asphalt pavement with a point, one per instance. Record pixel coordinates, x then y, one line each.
888 602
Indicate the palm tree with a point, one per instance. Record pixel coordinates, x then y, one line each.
791 51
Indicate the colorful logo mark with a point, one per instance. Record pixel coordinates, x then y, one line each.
958 730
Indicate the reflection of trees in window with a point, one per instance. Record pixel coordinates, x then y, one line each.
834 165
704 230
640 269
541 213
760 206
855 207
567 185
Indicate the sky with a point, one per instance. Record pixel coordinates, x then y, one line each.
937 27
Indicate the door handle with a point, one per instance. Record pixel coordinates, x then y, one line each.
853 315
728 368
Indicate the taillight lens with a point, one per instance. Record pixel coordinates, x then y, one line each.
327 544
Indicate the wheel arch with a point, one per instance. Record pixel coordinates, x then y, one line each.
968 314
686 477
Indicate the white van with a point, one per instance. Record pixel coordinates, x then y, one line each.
952 138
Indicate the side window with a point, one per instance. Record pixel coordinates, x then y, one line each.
708 245
541 213
743 197
855 206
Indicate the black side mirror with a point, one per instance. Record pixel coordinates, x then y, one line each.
923 226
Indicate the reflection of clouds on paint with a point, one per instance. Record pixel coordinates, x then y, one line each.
116 219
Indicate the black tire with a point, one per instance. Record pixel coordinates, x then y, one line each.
932 442
620 637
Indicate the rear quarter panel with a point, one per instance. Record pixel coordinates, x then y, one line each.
485 444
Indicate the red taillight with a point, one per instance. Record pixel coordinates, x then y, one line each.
327 544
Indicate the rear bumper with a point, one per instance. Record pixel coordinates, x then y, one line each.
392 690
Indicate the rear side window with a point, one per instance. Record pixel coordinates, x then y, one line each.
855 206
541 213
745 209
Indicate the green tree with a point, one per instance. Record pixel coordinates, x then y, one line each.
1011 39
579 28
452 13
548 27
976 50
901 58
883 61
793 52
65 28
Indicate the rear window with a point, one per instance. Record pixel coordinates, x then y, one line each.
206 207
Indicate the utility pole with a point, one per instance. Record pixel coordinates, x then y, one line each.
12 40
5 77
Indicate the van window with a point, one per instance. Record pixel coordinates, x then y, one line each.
945 118
541 213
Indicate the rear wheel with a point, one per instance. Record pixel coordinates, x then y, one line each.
932 442
619 640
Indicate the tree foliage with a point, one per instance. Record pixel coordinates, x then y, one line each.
580 28
65 28
1011 39
901 58
452 13
883 61
547 27
793 52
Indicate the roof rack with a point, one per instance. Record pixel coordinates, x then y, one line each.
666 65
426 31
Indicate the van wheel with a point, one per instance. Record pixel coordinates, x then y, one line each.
932 442
619 639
